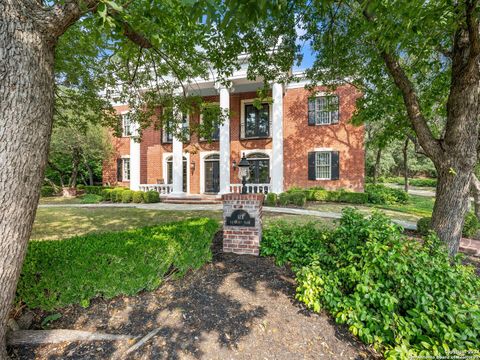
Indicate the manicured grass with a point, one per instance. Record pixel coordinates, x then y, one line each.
75 270
60 223
420 206
81 199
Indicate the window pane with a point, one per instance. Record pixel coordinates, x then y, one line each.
257 121
323 165
326 109
126 169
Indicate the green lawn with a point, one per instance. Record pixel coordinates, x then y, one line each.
417 207
58 223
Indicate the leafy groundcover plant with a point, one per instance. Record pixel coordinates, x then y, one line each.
404 297
75 270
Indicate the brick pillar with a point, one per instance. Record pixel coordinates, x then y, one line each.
242 223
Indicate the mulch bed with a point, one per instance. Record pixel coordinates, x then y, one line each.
235 307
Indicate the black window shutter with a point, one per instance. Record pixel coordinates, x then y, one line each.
119 170
311 166
336 110
311 112
335 158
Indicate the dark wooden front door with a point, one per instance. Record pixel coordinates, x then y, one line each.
212 177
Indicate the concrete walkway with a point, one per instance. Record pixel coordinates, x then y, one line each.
218 207
414 190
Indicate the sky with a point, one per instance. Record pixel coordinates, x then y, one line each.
307 60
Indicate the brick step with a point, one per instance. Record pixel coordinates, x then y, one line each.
192 200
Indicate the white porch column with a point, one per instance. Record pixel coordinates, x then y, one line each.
134 158
277 139
225 142
177 165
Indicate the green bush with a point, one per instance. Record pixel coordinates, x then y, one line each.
116 194
423 225
470 226
127 196
151 196
284 199
406 298
271 199
137 197
47 191
352 197
90 199
383 195
298 198
73 271
321 195
106 194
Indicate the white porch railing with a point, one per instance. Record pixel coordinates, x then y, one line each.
251 188
162 189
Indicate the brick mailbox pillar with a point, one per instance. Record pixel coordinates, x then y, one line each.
242 223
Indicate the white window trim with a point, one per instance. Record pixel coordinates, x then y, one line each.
330 155
324 94
125 157
267 152
203 156
165 156
123 126
242 120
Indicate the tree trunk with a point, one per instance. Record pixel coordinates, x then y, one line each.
75 166
90 173
26 112
376 169
405 164
475 190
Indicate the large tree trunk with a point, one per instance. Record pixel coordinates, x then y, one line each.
376 169
457 161
405 163
26 112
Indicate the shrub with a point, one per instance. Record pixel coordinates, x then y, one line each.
127 196
116 194
298 198
470 226
137 197
321 195
406 298
90 199
106 194
151 196
47 191
423 225
284 199
73 271
353 197
271 199
382 195
97 190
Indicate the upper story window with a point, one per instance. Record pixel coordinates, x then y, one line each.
215 131
323 110
126 125
167 131
256 121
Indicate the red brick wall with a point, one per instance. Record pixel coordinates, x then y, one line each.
343 137
121 147
300 138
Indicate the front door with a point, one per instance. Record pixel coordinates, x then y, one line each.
212 176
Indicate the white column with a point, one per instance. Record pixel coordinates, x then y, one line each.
177 164
277 139
225 142
134 158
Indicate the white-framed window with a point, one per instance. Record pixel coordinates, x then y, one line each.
167 131
123 169
126 125
323 165
255 123
323 110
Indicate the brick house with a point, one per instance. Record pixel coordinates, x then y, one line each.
295 140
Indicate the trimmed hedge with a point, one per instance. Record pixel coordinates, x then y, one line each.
470 226
73 271
97 190
116 194
383 195
127 196
151 196
137 197
271 199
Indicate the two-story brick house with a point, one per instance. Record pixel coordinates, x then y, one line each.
294 140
